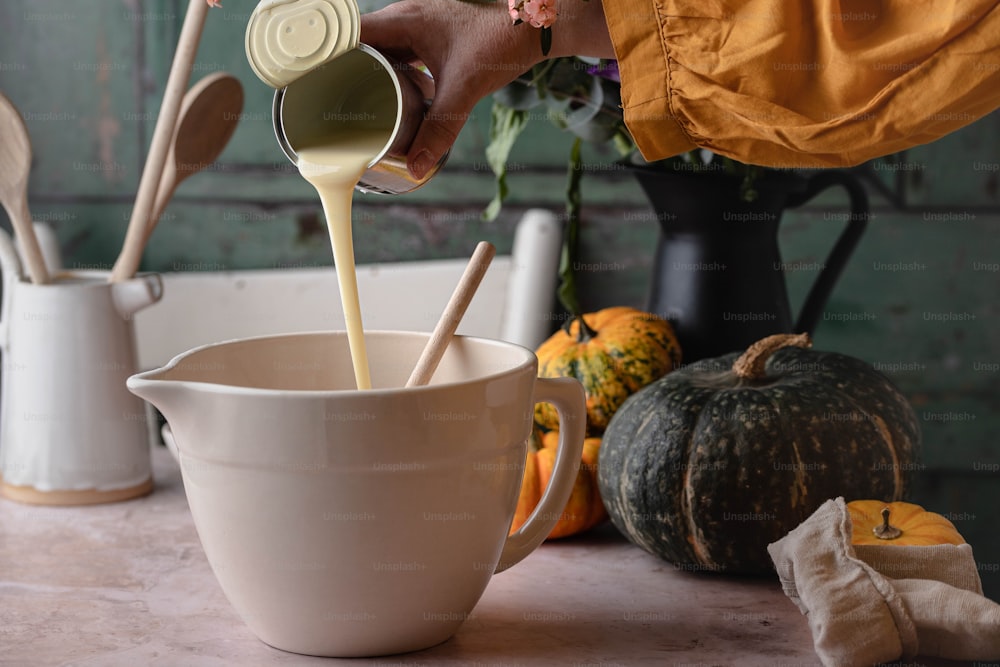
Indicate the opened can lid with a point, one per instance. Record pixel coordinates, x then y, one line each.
287 38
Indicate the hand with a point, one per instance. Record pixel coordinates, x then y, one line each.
472 50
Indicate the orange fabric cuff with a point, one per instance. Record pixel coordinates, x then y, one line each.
643 63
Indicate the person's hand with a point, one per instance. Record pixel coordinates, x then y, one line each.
472 50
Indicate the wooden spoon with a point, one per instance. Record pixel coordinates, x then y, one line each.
177 81
209 115
452 315
15 165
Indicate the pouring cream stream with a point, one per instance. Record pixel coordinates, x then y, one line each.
334 169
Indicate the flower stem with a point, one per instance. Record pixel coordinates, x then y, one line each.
571 240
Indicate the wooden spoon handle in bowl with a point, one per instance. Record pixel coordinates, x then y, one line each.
452 315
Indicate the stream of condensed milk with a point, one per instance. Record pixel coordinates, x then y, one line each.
334 167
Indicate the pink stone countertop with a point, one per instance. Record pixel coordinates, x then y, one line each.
128 584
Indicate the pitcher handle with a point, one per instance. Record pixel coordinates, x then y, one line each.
569 399
13 272
816 300
131 296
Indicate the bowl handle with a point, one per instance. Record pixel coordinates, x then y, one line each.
569 399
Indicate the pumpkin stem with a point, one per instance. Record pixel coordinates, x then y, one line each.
583 333
750 364
886 531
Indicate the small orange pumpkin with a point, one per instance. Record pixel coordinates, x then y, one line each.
899 523
613 353
584 510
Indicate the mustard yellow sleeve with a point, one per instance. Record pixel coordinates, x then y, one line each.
803 84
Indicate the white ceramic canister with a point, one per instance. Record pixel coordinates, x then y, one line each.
309 51
70 431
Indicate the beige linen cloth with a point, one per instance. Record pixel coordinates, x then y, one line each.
870 604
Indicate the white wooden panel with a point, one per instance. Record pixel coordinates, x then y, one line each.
201 308
513 302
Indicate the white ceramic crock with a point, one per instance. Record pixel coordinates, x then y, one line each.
70 431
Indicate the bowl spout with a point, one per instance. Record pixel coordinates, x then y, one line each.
165 395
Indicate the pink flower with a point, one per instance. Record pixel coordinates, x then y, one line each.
541 13
538 13
514 7
214 3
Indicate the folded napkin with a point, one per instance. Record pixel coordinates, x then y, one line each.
869 604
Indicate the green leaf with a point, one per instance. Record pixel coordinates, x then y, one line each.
623 142
567 260
567 76
506 125
521 95
546 41
538 75
587 112
747 189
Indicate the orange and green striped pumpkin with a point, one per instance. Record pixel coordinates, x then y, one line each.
584 509
616 352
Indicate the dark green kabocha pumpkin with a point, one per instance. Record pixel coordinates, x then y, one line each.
709 464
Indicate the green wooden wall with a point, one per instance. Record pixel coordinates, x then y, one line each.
919 299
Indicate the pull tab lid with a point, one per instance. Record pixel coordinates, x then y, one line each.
287 38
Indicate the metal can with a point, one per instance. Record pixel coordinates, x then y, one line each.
309 51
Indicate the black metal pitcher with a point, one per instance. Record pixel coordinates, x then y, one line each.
717 273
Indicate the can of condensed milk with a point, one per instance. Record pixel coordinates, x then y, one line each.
327 82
